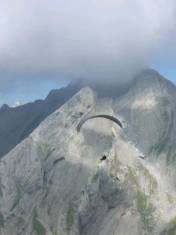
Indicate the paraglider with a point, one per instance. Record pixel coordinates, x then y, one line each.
98 116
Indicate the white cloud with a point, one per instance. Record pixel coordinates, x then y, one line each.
16 104
98 39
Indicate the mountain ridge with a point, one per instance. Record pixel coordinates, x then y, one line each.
53 182
17 123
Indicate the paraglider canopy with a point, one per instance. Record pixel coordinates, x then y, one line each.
114 119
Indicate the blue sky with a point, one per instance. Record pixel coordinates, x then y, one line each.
166 71
27 91
30 90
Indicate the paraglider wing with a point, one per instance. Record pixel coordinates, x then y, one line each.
98 116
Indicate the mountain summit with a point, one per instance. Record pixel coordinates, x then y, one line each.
102 180
18 122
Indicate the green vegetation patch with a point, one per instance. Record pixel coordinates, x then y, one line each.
163 141
171 228
144 206
37 225
70 216
173 221
146 210
171 231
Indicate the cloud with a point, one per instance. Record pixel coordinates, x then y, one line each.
16 104
104 40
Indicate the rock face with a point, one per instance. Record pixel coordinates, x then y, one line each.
149 110
53 182
17 123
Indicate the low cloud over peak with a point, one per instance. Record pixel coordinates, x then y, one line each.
96 39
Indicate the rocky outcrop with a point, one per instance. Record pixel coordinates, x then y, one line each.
149 111
53 182
17 123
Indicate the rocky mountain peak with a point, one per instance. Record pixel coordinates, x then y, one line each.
55 181
151 80
149 109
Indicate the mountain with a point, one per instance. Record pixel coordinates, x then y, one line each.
149 109
54 183
17 123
